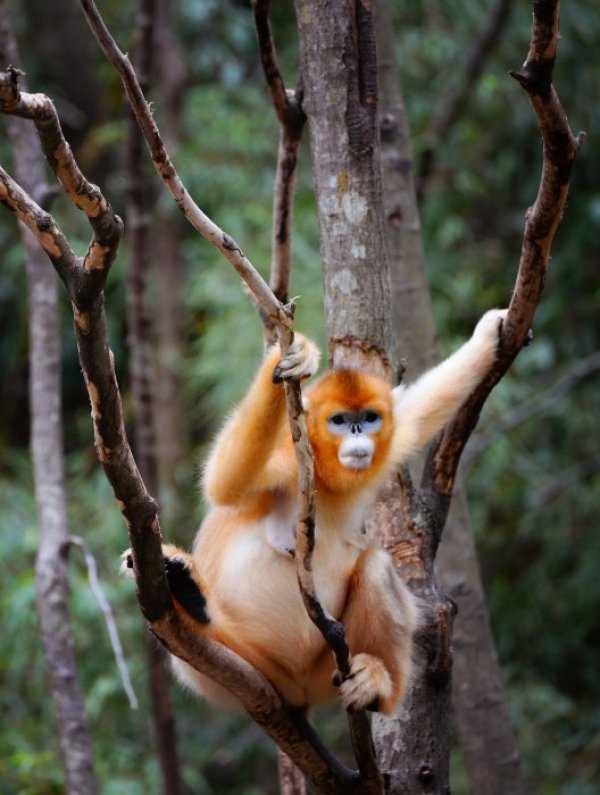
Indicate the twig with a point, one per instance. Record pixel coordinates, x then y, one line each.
109 618
288 108
573 474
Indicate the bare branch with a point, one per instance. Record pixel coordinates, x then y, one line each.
573 474
109 618
542 219
162 162
86 197
287 105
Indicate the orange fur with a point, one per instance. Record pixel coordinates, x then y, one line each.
241 558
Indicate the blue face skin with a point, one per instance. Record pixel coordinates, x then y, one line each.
354 423
357 447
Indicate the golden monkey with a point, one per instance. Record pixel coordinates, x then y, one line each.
239 584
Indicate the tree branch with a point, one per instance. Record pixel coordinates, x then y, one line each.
539 403
560 148
166 170
287 105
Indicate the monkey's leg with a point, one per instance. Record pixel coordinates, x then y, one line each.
380 619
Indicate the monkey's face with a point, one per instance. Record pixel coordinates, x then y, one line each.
358 430
349 422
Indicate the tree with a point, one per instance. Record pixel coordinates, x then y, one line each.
85 279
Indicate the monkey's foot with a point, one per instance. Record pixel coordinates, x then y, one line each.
367 685
182 585
301 361
185 589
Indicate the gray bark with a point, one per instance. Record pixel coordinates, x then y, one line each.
338 66
339 76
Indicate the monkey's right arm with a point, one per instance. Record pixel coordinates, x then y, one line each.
240 464
423 408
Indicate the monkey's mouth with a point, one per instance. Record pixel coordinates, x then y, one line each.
359 459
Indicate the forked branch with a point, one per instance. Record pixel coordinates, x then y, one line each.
560 148
84 279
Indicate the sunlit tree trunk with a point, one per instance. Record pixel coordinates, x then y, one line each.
339 73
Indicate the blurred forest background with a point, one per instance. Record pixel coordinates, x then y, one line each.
533 466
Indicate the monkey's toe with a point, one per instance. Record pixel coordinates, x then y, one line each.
368 684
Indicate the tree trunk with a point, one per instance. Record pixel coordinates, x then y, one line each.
48 467
486 736
339 75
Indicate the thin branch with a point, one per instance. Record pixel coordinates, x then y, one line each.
542 219
563 480
288 108
109 617
166 170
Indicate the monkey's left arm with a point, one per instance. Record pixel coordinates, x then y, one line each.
240 463
423 408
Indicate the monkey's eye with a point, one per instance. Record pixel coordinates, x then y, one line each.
338 423
371 421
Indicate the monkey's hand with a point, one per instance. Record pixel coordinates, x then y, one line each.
183 586
367 685
487 331
301 360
